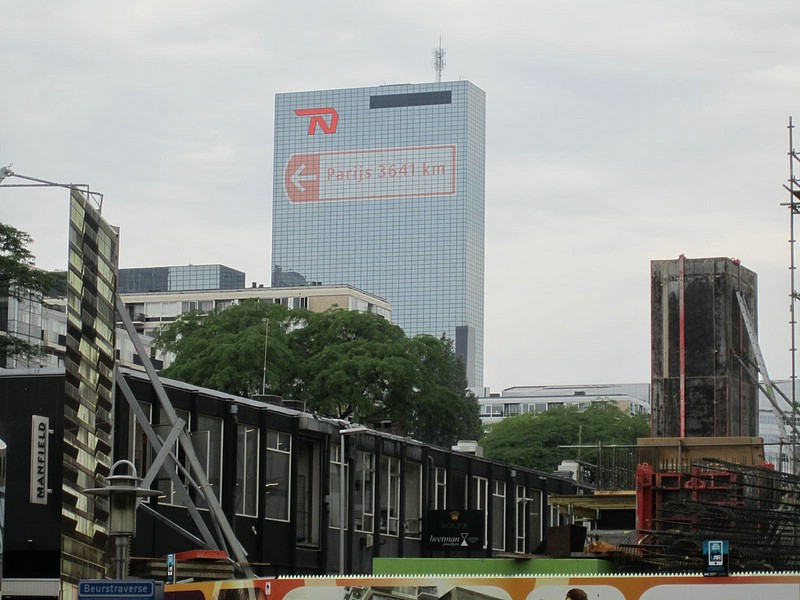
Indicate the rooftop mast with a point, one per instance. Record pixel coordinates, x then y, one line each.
439 60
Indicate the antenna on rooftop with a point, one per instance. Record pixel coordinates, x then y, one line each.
439 60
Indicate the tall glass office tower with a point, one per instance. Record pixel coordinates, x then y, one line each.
382 188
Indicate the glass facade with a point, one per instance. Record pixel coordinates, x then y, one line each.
179 278
91 326
382 188
21 317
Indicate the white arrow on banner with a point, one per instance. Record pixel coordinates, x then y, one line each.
297 178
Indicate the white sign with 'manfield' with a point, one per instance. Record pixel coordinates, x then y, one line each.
40 445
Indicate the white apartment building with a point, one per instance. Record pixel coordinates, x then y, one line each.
633 398
150 311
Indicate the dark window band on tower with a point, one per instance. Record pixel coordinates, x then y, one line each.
418 99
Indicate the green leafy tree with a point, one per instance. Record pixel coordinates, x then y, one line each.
350 364
533 439
445 409
225 349
342 364
21 280
18 275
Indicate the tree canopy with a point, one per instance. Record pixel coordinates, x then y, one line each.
18 275
533 439
342 364
20 279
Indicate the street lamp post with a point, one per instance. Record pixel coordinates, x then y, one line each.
123 493
342 491
35 182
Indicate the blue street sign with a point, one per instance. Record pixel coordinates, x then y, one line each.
117 589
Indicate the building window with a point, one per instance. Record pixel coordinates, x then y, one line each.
165 484
207 442
337 467
390 499
364 496
153 311
278 482
528 508
412 485
440 497
170 310
556 518
139 447
458 490
521 510
499 516
307 482
247 470
481 502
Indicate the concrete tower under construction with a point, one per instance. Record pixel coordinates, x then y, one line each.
700 349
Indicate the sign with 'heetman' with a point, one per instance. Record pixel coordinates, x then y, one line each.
457 530
40 446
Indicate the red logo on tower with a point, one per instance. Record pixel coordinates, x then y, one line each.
318 118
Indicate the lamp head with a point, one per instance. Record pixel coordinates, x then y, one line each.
123 493
6 172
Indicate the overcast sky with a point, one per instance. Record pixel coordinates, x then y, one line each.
617 132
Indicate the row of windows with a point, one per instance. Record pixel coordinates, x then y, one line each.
170 311
401 481
421 124
509 409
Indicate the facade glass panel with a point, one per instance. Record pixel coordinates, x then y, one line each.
382 188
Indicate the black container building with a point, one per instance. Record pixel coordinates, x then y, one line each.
276 472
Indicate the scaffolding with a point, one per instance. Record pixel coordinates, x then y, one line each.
793 205
755 508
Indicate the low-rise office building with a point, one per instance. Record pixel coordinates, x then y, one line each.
633 398
150 311
42 322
